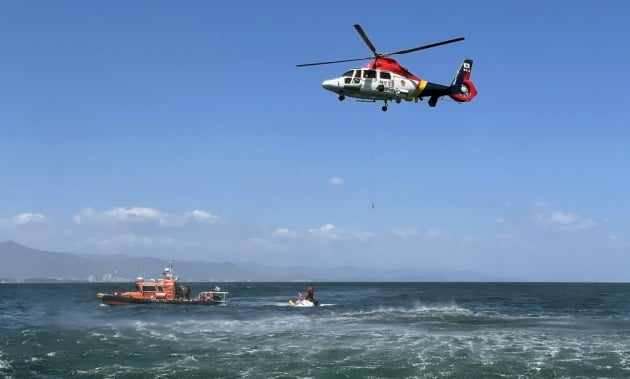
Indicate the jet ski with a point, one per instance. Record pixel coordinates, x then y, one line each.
303 303
305 300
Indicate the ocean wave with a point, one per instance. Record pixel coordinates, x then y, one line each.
372 330
428 317
421 310
5 365
411 342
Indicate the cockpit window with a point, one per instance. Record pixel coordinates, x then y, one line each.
370 74
347 73
357 73
386 75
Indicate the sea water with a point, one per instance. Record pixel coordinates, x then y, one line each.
362 330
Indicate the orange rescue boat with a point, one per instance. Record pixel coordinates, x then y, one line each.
163 291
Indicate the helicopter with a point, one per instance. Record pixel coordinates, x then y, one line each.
384 79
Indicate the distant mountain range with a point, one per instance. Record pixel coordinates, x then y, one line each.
23 264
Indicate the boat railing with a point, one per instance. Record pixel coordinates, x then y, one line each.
217 297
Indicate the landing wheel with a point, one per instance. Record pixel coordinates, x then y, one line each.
384 108
397 100
342 97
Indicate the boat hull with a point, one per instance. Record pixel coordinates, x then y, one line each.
123 300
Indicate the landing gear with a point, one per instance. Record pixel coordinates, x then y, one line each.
342 97
398 100
384 107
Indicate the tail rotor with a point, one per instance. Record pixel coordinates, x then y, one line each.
462 89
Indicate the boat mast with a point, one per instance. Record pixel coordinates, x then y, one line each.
168 271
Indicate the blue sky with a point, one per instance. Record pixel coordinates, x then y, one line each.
185 131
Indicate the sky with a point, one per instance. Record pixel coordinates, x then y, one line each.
185 131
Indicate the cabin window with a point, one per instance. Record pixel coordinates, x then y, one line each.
347 73
148 288
160 289
370 74
386 75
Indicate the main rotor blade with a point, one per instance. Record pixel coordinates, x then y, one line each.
331 62
424 47
366 39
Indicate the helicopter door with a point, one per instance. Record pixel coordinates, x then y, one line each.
370 81
386 81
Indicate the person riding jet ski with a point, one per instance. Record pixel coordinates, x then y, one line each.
310 291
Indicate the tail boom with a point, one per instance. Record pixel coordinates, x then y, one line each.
462 89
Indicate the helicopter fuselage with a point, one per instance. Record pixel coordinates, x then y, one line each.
385 80
375 84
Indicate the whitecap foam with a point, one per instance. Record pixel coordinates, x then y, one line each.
4 364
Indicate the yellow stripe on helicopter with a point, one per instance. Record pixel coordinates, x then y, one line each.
421 86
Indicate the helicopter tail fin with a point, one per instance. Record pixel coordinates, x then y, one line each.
462 88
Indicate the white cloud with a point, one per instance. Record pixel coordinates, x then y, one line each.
121 216
331 232
198 234
196 217
406 232
563 221
336 181
327 231
144 216
29 219
285 233
124 229
201 216
412 232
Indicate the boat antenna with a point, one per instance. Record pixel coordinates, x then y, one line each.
168 271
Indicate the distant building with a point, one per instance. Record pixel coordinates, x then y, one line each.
111 278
